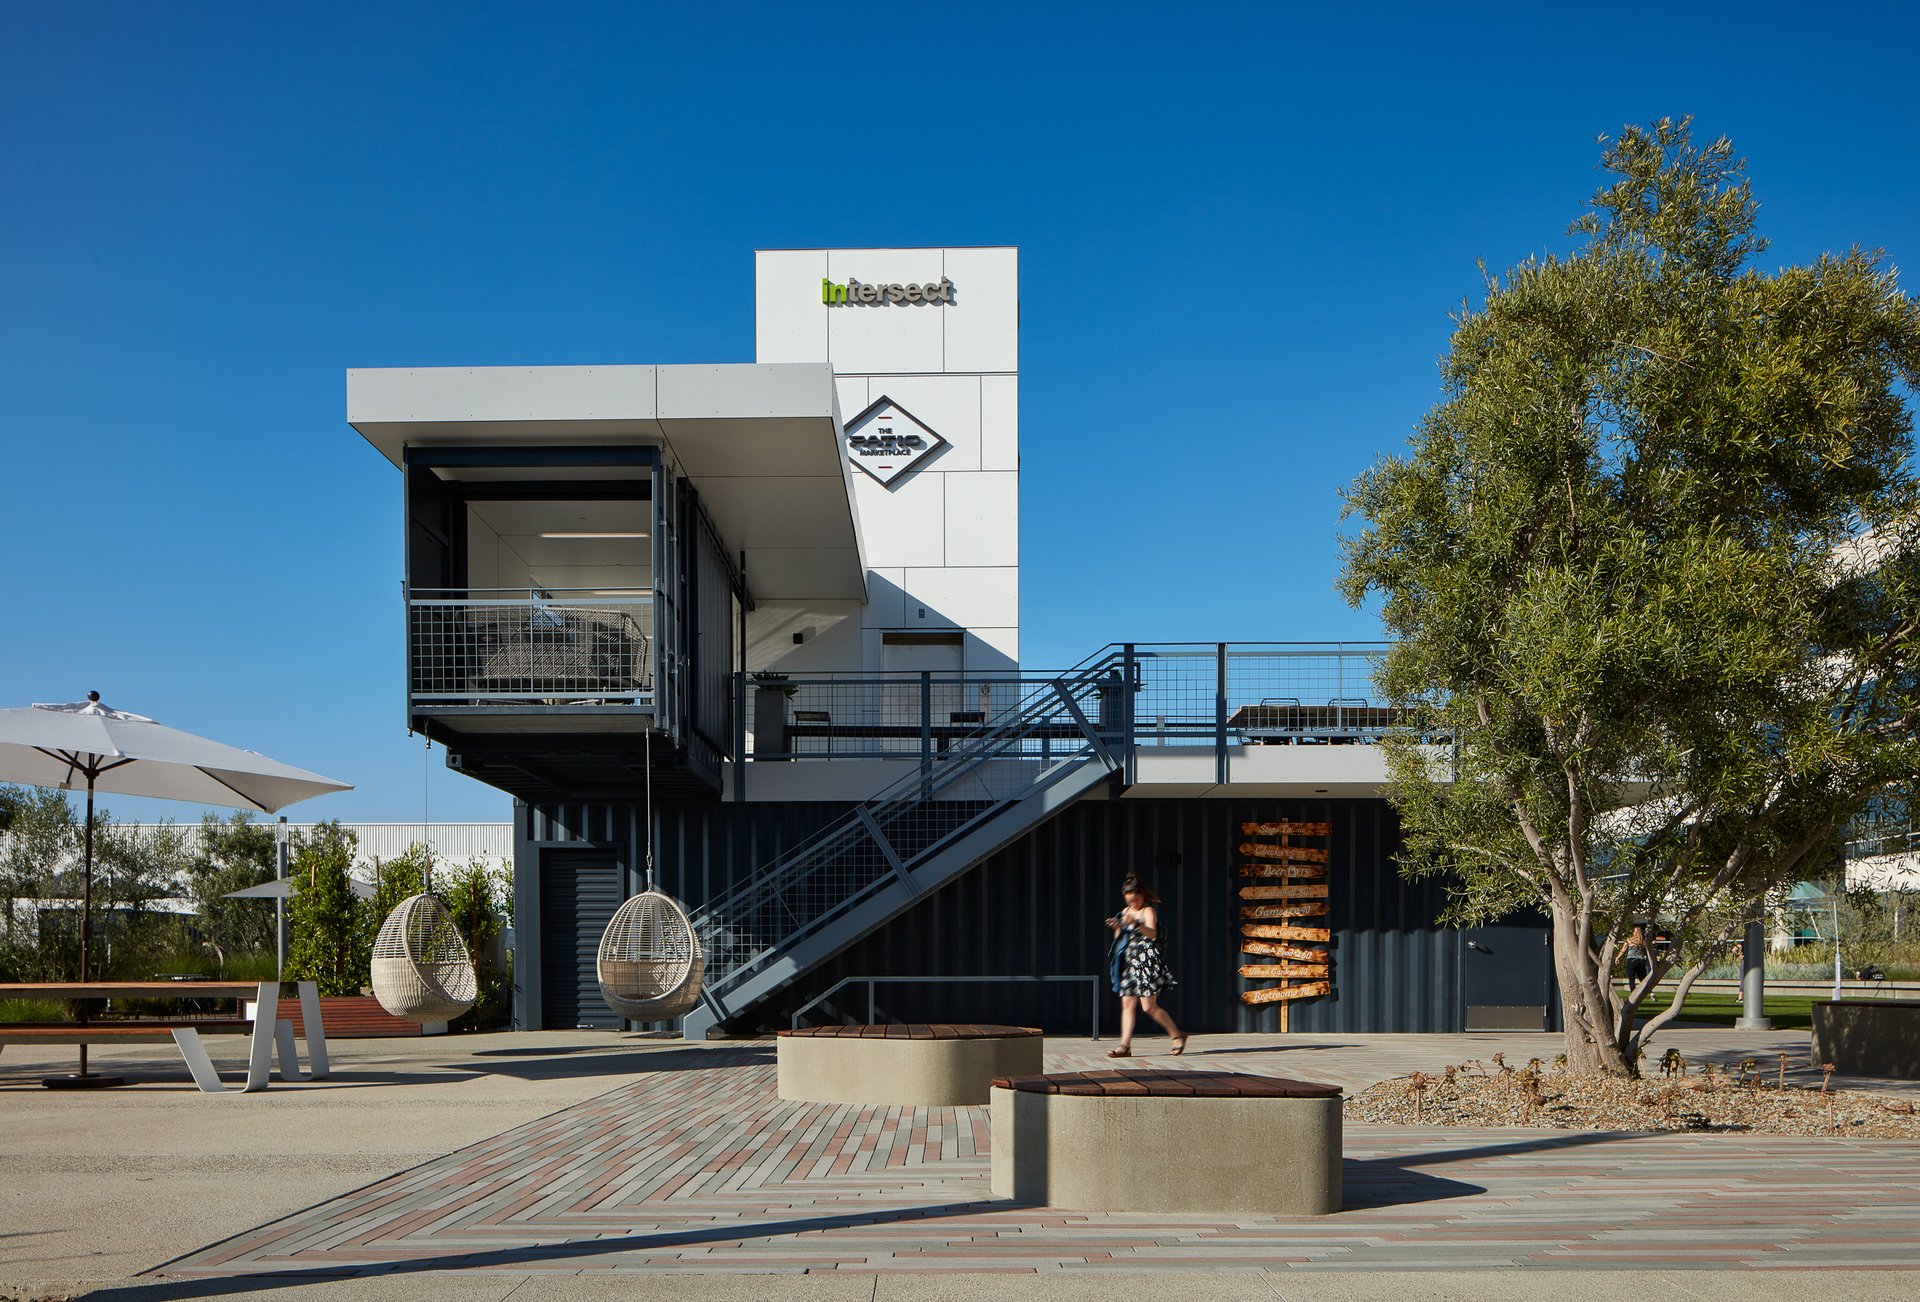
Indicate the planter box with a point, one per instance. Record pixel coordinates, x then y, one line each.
1868 1037
355 1017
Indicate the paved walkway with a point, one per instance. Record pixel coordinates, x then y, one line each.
695 1166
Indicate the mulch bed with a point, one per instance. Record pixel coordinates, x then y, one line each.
1498 1094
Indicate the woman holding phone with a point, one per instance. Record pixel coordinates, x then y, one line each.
1137 968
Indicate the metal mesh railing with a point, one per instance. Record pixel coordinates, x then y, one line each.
1195 694
889 716
1014 752
476 646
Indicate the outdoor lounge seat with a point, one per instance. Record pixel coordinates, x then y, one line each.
421 969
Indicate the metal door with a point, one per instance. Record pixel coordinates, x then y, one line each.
1507 978
579 892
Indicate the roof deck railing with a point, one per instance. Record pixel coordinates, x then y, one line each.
1183 694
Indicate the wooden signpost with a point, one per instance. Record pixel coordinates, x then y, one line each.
1293 886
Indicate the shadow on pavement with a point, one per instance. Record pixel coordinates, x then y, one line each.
533 1256
1383 1182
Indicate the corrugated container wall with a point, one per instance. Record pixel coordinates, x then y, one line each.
1035 908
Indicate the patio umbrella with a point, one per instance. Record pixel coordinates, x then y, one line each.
285 888
131 755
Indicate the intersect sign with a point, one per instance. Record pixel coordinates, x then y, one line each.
854 291
886 440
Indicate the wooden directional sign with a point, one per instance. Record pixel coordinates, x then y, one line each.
1322 934
1282 971
1290 853
1271 950
1274 994
1284 828
1300 871
1305 909
1303 891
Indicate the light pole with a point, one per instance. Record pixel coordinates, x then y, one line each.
281 834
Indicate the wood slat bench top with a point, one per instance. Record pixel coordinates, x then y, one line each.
129 989
1149 1083
106 1032
914 1031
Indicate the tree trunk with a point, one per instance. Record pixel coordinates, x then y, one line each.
1585 1010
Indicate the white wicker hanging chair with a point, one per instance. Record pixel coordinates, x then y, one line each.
650 961
421 968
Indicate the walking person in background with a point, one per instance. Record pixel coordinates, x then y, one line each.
1638 964
1136 966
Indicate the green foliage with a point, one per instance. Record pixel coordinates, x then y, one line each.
234 853
1615 563
328 943
394 880
480 901
43 836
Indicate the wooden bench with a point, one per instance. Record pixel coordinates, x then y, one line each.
270 1033
903 1065
1136 1140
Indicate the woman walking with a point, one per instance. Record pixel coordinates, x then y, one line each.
1137 968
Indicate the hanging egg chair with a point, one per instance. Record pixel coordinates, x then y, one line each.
421 968
650 962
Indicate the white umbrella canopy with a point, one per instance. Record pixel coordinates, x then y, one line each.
286 888
131 755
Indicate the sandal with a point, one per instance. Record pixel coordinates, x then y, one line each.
1122 1052
1179 1046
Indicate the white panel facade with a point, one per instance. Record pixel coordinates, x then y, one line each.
908 514
876 337
787 325
948 403
942 539
983 519
983 325
1000 422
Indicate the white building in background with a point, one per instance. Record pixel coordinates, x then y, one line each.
453 844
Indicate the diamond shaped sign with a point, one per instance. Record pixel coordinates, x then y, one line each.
886 440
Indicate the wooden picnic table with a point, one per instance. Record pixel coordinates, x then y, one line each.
268 1030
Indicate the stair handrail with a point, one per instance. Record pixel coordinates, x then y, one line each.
1008 728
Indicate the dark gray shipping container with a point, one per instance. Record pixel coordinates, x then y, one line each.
1035 908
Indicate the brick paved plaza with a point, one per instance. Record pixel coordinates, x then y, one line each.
695 1165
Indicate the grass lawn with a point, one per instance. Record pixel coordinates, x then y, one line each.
1789 1012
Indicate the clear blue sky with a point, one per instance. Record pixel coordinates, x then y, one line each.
1241 231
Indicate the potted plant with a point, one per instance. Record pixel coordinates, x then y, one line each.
771 693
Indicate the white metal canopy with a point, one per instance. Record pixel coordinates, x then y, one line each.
762 442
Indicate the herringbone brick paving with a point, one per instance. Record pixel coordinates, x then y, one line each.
696 1165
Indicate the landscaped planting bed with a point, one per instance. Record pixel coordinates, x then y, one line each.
1673 1097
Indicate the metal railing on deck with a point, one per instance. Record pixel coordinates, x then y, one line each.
1183 694
475 646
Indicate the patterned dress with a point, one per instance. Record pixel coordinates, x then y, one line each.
1139 968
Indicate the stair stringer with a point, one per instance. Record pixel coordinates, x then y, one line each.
897 895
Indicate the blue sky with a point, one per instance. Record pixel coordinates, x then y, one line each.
1241 228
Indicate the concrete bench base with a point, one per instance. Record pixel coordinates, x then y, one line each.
900 1072
1278 1156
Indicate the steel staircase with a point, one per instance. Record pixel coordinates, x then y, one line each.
1024 765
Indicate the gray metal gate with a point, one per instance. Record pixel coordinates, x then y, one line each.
579 892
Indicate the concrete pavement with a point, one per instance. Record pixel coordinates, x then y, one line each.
566 1164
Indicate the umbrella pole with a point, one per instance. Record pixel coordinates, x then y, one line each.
85 1079
86 914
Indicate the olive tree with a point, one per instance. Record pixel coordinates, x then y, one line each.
1649 565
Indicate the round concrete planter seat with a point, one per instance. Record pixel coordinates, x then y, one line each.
1168 1141
903 1066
